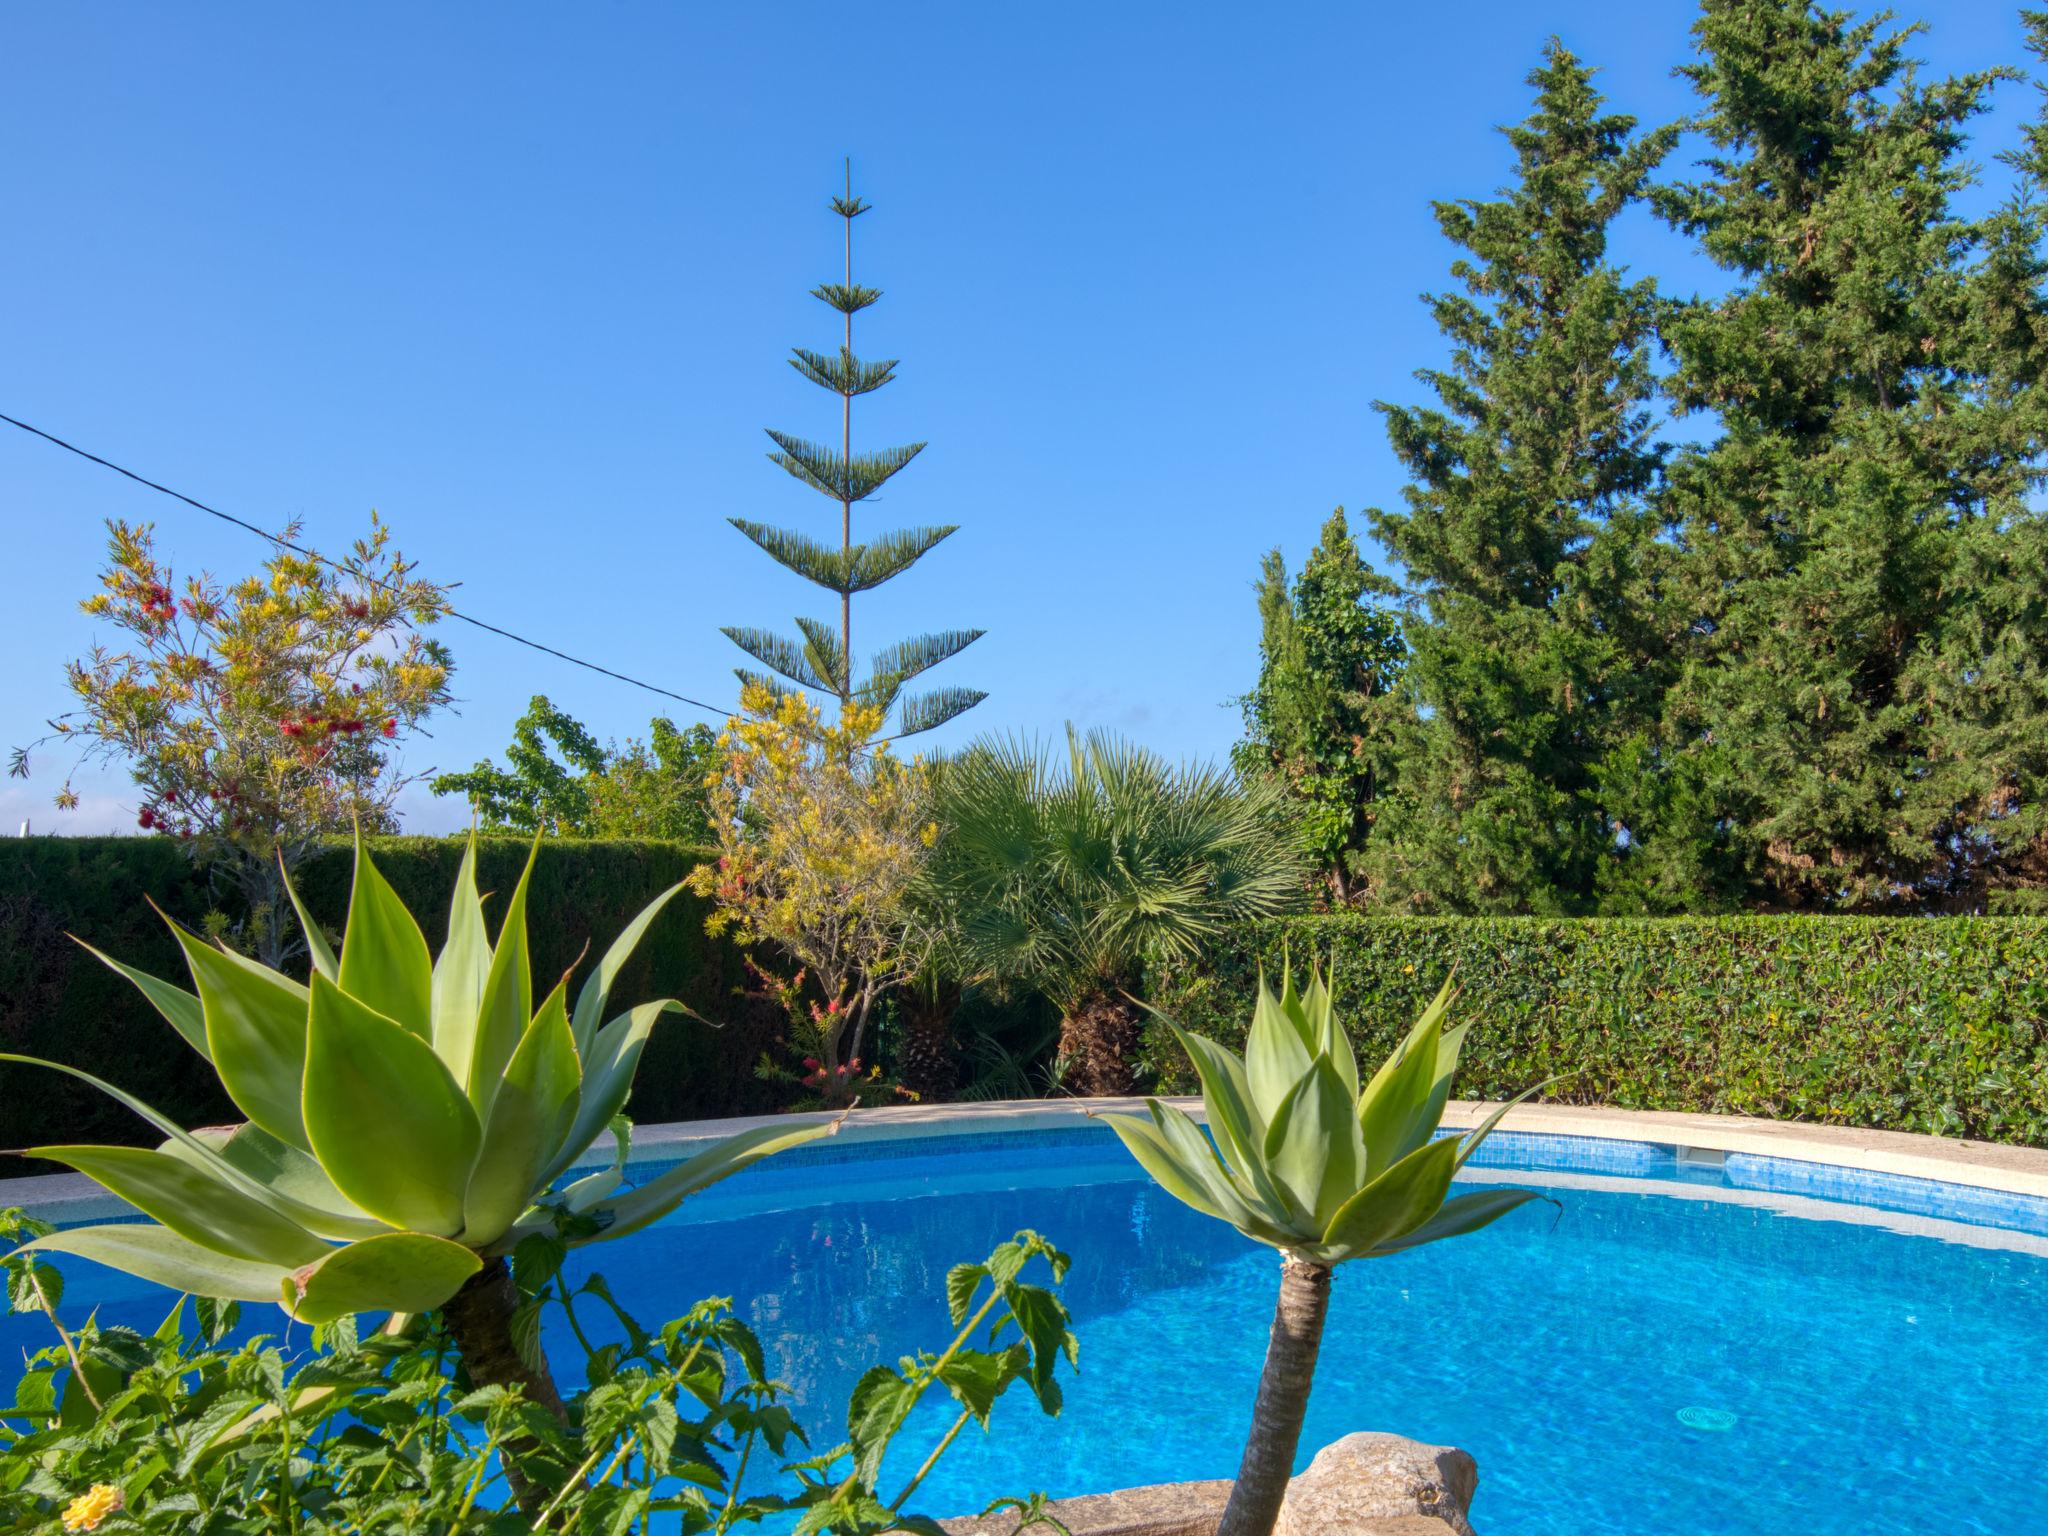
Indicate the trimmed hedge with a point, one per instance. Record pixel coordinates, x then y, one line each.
1914 1024
57 1001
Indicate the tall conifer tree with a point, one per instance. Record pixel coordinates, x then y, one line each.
1862 701
1529 555
821 656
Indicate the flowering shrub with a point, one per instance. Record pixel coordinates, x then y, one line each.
820 837
258 715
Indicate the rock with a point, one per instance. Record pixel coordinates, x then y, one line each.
1360 1485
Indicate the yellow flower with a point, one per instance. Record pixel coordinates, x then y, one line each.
1407 970
85 1512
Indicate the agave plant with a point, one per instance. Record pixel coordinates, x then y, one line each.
1308 1162
409 1118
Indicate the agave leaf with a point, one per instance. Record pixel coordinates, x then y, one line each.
1466 1213
384 960
1394 1107
1448 1045
597 988
1469 1143
1226 1100
1326 1035
316 942
1280 1222
1314 1148
531 1113
1145 1142
1395 1203
255 1034
397 1272
641 1207
592 1187
193 1202
177 1005
159 1255
292 1182
507 1006
385 1119
460 972
608 1068
1276 1056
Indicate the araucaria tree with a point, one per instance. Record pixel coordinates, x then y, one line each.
259 716
1528 548
820 657
1327 717
1863 702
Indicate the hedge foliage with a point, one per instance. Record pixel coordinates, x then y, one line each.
58 1002
1914 1024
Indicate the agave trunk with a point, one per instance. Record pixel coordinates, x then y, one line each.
479 1319
1098 1038
1283 1399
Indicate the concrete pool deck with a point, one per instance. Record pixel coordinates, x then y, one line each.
1952 1160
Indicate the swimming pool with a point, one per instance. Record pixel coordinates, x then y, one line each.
1673 1350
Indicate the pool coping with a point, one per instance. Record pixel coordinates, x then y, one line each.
1949 1160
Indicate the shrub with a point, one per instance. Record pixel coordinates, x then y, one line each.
1937 1025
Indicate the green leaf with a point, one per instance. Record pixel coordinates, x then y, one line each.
881 1402
1466 1213
161 1256
1395 1203
386 1120
1469 1143
1314 1147
177 1005
316 942
597 987
507 1006
384 960
962 1281
192 1201
255 1034
532 1112
397 1272
976 1378
1319 1007
653 1200
296 1183
460 971
1394 1110
1143 1140
608 1068
1276 1057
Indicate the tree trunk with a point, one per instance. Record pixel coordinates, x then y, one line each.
1098 1038
928 1067
1283 1400
479 1318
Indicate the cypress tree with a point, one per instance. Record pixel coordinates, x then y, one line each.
1530 557
820 657
1325 720
1860 706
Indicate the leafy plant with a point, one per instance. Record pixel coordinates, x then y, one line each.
188 1431
1068 882
1307 1160
408 1121
259 716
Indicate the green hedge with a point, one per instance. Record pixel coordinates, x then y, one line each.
58 1002
1914 1024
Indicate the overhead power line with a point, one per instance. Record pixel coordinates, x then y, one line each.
453 613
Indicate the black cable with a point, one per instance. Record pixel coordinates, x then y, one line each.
710 709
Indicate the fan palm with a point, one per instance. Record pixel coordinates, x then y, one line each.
1068 877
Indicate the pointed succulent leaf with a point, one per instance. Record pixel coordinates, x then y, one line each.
177 1005
1326 1034
531 1114
641 1207
1281 1222
460 971
597 987
1465 1213
317 948
1469 1142
384 960
385 1118
1448 1045
1395 1203
161 1256
1313 1145
255 1034
292 1181
1394 1109
507 1006
1144 1141
192 1201
396 1272
608 1068
1276 1057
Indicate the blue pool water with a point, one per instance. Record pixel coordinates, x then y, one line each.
1669 1351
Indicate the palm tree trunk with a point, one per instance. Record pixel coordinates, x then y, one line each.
1098 1038
927 1066
479 1319
1283 1400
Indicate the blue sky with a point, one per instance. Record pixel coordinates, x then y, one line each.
523 278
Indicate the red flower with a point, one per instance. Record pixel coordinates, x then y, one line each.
390 727
833 1006
810 1061
147 818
